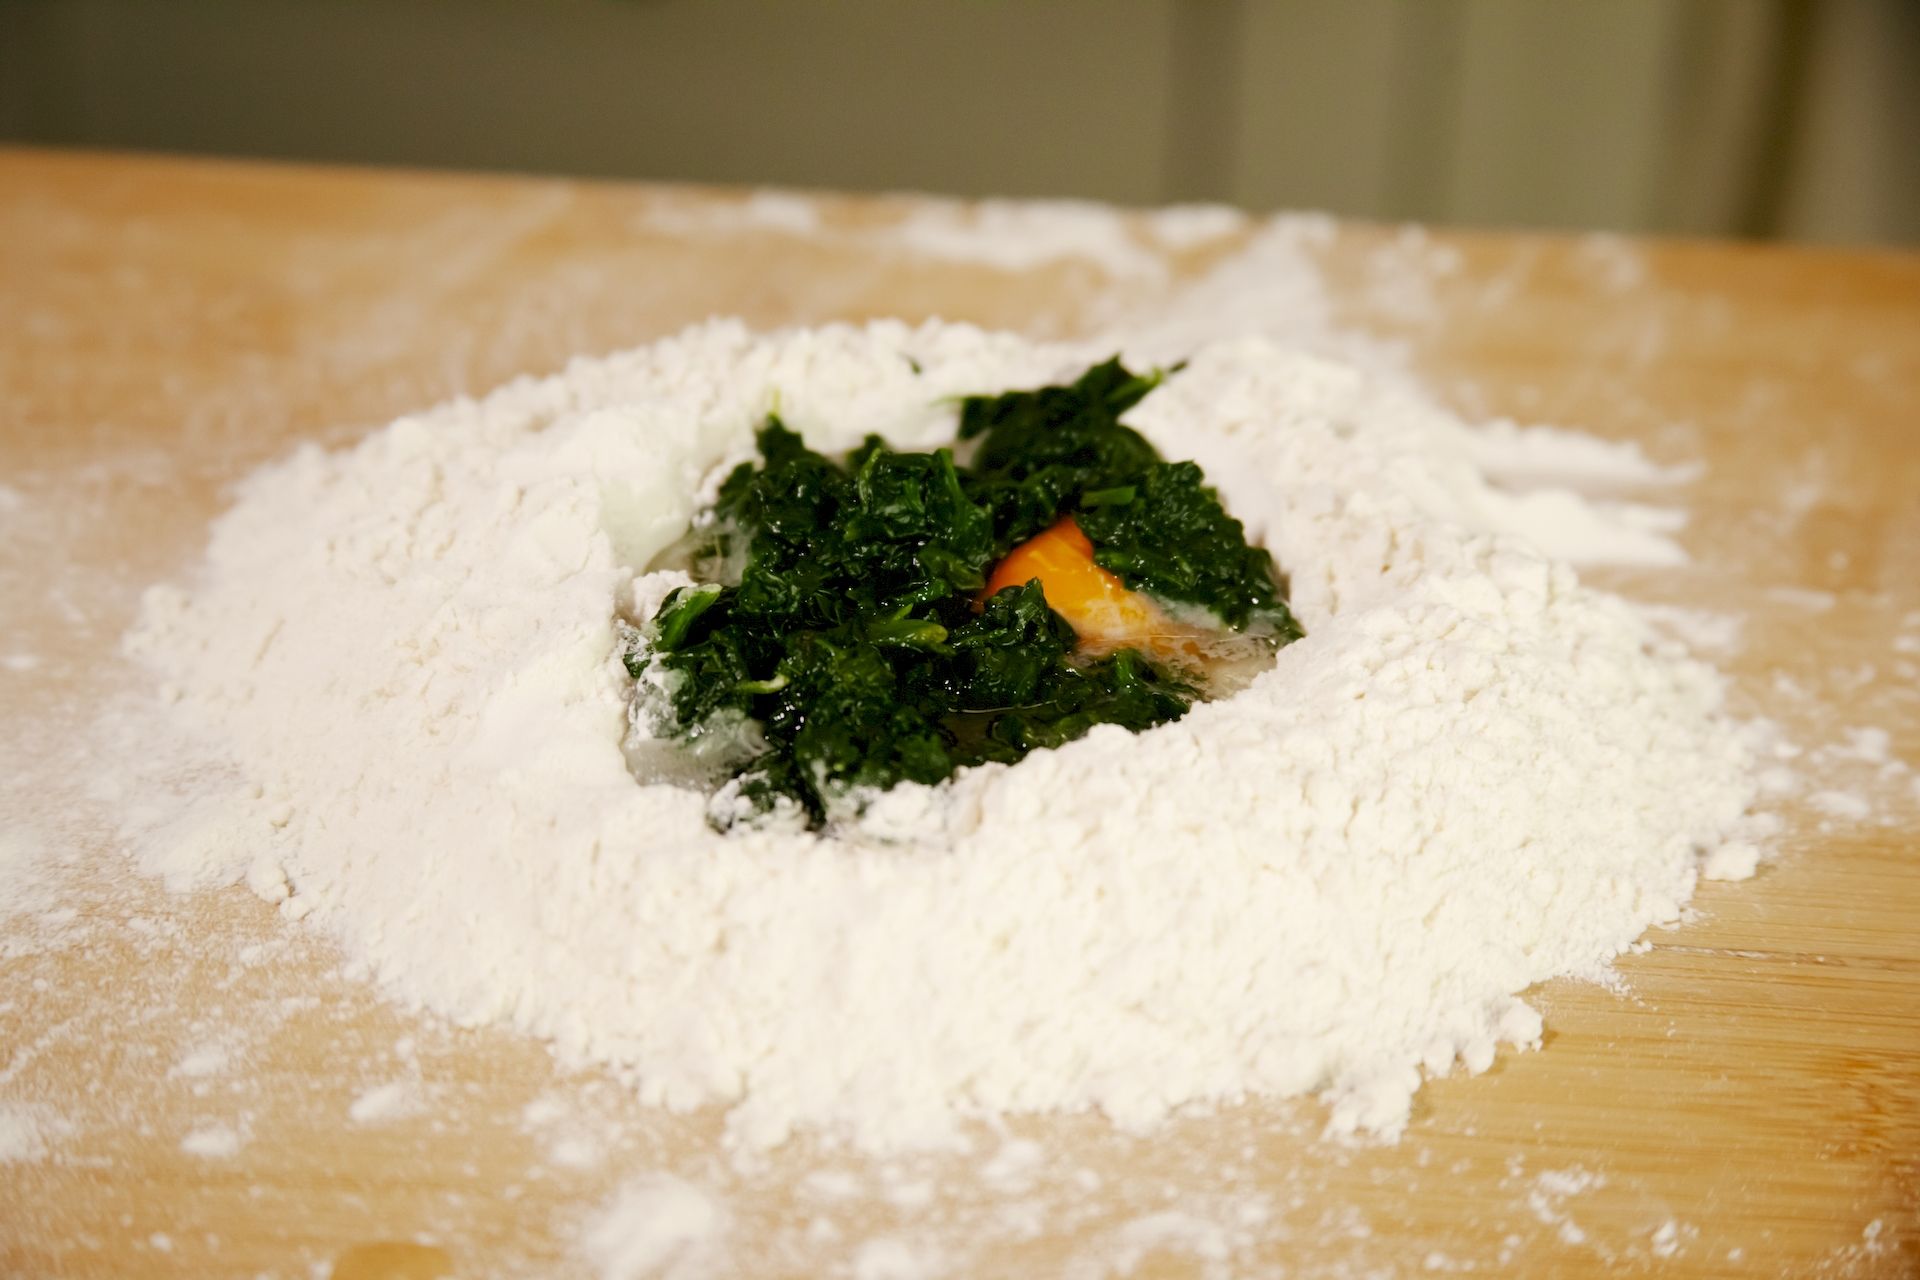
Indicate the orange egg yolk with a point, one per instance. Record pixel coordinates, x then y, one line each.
1095 603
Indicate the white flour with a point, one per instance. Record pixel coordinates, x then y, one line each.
656 1227
26 1132
1473 775
213 1142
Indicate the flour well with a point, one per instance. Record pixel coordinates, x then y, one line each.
1473 775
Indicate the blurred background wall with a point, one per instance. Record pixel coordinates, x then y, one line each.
1790 118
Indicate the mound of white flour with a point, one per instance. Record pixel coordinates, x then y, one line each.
1472 775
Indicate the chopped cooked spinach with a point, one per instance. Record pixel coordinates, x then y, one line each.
854 638
1064 450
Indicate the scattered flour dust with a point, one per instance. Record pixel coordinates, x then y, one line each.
1473 775
1550 1194
28 1132
1169 1231
658 1227
213 1142
383 1103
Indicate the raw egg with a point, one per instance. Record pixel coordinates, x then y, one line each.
1095 603
1106 616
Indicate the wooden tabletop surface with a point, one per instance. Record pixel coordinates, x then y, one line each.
190 1086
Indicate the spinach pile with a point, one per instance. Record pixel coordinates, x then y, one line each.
841 645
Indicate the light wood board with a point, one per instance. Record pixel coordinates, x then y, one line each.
1747 1104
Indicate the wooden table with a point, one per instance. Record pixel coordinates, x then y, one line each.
1748 1104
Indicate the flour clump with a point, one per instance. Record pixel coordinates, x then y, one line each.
1473 774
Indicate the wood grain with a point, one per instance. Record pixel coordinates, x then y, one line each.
1747 1105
